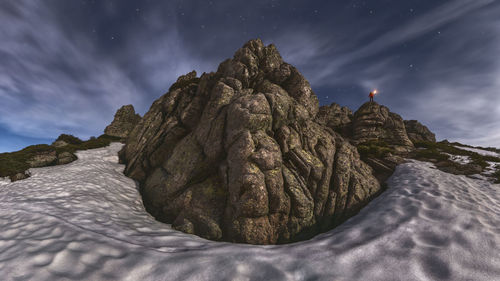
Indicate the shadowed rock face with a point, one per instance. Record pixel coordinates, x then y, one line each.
238 155
123 123
418 132
337 118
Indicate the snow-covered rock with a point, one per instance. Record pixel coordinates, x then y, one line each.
4 181
460 159
86 221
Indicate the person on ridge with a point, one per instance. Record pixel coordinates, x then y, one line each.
372 94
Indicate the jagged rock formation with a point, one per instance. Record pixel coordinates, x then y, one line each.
337 118
374 122
238 155
418 132
123 123
372 126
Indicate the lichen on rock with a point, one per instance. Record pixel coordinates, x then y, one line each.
238 155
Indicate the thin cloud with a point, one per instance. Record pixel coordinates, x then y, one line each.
56 77
53 82
421 25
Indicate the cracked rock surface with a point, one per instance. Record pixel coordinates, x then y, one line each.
238 155
123 123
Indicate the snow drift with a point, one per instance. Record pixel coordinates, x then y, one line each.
86 221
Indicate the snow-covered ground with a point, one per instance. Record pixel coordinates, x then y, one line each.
492 168
4 181
479 151
460 159
85 221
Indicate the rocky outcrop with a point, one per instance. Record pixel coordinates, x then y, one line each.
237 155
123 123
20 176
337 118
65 139
418 132
65 158
374 122
59 143
43 159
383 166
50 158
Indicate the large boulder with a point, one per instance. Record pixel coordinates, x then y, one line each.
20 176
237 155
123 123
418 132
65 158
374 122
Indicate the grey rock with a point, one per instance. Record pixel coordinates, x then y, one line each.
418 132
123 123
65 158
20 176
337 118
43 159
59 143
374 122
237 155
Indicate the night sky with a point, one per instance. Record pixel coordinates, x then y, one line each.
67 66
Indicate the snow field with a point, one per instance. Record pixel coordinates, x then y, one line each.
86 221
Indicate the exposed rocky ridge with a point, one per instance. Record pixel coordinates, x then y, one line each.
239 155
374 122
418 132
123 123
374 130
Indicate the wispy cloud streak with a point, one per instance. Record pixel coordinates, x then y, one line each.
55 79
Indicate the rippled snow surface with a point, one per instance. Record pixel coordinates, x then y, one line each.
85 221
